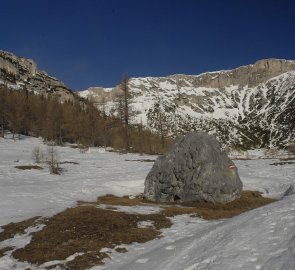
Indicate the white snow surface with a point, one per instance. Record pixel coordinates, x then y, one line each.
27 193
263 238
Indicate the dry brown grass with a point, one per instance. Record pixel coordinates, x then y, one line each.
249 200
68 162
3 250
141 160
28 167
286 159
282 163
12 229
88 228
125 200
121 249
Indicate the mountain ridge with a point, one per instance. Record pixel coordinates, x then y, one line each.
19 73
240 106
251 106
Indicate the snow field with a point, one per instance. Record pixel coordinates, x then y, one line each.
27 193
263 238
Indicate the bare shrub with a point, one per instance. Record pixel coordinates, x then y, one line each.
37 154
83 148
52 160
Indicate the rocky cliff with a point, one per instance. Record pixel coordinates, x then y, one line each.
249 107
19 73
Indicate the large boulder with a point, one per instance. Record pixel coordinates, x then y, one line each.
195 169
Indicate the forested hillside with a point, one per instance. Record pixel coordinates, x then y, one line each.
23 112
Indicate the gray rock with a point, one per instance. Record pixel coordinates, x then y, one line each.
195 169
17 73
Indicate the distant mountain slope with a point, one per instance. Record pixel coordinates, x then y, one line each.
250 106
17 73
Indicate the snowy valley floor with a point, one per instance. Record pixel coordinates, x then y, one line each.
262 238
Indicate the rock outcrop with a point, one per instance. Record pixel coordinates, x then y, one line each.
18 73
250 75
195 169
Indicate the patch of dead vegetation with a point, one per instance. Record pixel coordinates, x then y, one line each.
287 158
4 250
11 229
249 200
68 162
86 229
121 249
282 163
141 160
125 200
28 167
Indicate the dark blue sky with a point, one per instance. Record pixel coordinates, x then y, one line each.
93 43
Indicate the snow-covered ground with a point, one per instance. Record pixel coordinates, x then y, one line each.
263 238
27 193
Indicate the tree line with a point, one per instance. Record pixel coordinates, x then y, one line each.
77 121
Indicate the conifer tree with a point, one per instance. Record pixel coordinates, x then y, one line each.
125 109
76 121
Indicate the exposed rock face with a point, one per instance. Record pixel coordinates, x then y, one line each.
251 106
17 73
195 169
250 75
101 95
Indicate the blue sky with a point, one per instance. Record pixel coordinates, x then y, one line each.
93 43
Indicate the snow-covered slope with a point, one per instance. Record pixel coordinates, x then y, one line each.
263 238
251 106
260 239
248 107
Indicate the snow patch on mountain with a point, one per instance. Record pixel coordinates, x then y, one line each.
249 107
